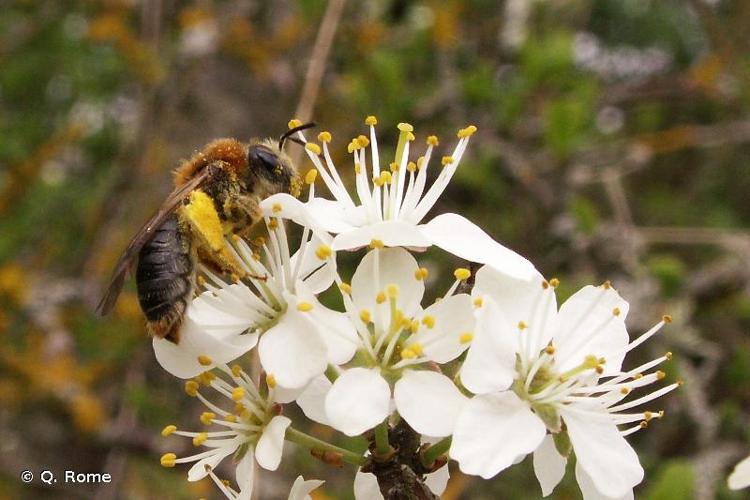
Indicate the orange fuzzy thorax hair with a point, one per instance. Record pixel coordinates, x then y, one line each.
230 151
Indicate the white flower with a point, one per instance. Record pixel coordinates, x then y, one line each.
564 369
274 301
301 489
394 335
251 432
740 476
392 202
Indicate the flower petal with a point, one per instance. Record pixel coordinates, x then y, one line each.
740 476
454 317
590 492
271 443
366 486
602 452
313 399
491 360
245 475
429 401
437 481
358 401
591 322
461 237
392 233
292 351
549 465
301 489
198 471
492 430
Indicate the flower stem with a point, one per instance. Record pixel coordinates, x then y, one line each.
434 451
382 446
313 444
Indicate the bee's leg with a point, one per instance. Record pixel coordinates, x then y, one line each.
204 223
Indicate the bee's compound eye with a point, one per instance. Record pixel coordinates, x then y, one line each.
264 158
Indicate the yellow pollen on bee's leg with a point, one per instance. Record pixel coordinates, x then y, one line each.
371 120
168 430
421 274
311 175
293 123
304 307
323 252
168 460
428 321
465 338
200 439
462 274
271 381
204 360
324 136
191 388
380 298
238 393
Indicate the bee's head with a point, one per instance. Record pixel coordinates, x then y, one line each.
271 171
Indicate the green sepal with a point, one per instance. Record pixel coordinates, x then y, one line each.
562 443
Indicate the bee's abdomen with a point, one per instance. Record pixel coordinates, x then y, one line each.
164 278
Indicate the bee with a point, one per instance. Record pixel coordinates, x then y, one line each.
217 194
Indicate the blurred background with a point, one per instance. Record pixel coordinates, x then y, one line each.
613 143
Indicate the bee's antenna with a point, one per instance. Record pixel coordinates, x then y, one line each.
287 135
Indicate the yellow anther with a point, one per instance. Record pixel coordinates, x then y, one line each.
168 430
411 166
313 148
323 252
200 439
421 274
371 120
616 311
386 177
554 282
357 168
667 318
191 388
625 391
668 355
522 325
168 460
462 274
414 326
550 349
408 354
420 162
647 415
271 381
235 277
398 317
204 360
447 160
466 132
637 376
365 315
465 338
607 285
230 418
206 378
238 393
394 167
380 297
478 302
660 414
351 147
239 408
345 288
363 141
660 375
324 136
410 136
405 127
236 371
590 361
432 140
643 424
294 122
310 176
375 243
599 369
416 348
273 224
304 307
392 291
428 321
201 280
276 208
545 284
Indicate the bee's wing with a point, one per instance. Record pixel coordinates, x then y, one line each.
144 235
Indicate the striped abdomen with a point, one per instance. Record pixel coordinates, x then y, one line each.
165 277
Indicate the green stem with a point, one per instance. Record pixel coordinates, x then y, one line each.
313 443
434 451
382 446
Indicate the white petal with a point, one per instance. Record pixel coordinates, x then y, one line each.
491 360
292 351
521 300
549 465
301 489
358 401
319 214
492 430
271 443
366 487
338 333
198 470
590 492
461 237
181 360
740 476
313 399
587 325
286 395
392 233
334 217
454 316
317 274
438 480
245 475
429 401
603 453
395 266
